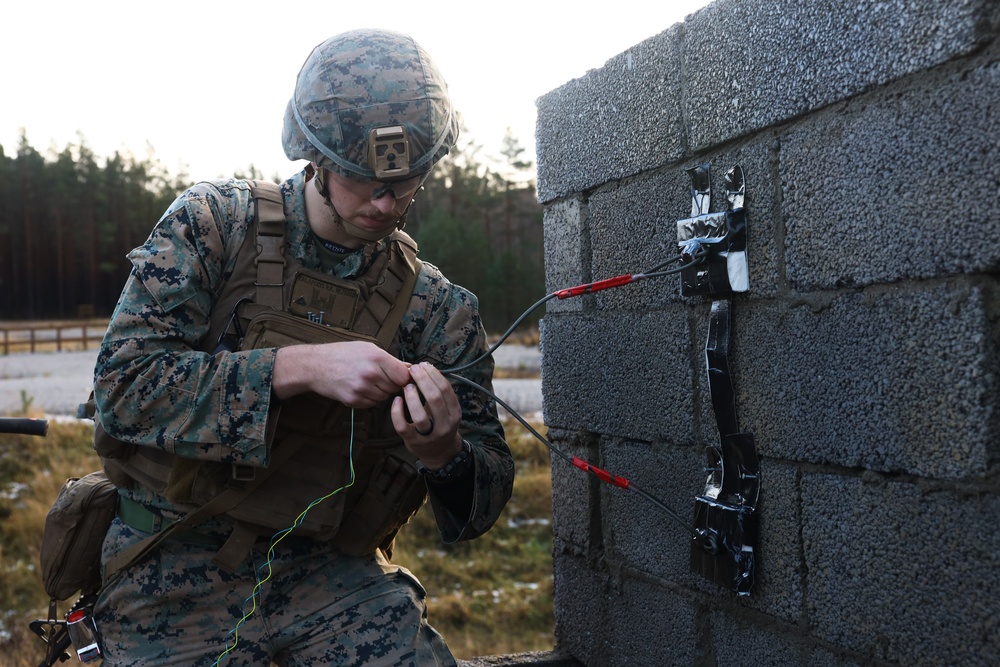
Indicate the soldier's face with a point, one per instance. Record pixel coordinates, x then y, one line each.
357 203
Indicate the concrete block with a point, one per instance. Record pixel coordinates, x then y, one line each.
897 185
894 380
749 64
633 228
903 572
651 627
581 605
779 570
644 537
868 343
737 642
567 251
638 534
628 376
574 496
616 121
822 657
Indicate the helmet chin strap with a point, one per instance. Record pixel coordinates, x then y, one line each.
353 230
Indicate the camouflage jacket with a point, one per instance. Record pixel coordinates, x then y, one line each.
154 388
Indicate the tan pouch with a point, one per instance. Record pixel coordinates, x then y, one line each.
274 328
317 430
383 503
74 532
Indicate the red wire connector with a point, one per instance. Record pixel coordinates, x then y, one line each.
617 281
603 475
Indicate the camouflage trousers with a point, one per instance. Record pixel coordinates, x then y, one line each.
317 607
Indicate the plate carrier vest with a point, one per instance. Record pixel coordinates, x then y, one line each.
315 447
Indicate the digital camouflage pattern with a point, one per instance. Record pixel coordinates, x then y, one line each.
317 608
361 80
156 386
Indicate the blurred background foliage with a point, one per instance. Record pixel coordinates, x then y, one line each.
68 218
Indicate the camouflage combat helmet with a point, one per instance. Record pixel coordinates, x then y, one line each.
362 97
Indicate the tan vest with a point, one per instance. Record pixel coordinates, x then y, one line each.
316 447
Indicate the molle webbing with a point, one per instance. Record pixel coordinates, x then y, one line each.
385 285
383 309
270 258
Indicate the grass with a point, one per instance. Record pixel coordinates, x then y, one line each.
32 470
494 594
488 596
519 373
523 335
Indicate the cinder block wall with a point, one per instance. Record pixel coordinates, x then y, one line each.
866 356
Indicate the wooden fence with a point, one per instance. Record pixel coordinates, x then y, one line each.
49 336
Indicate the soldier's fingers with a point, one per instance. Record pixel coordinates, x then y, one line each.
430 380
399 421
437 376
416 404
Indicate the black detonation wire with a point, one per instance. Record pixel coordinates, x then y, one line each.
603 475
588 288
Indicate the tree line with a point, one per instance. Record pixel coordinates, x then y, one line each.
68 219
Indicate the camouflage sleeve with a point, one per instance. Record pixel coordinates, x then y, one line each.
154 385
449 334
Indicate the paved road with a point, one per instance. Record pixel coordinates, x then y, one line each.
57 382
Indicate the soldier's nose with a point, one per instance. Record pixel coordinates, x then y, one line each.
386 203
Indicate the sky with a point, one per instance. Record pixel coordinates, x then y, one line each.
203 85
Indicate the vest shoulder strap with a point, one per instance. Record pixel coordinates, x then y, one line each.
397 291
270 261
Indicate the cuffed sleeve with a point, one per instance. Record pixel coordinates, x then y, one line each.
449 334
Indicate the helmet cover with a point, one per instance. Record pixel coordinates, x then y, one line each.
358 82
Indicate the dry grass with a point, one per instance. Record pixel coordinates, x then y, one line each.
517 374
32 470
530 336
488 596
494 594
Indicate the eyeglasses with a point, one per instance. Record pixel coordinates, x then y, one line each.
372 190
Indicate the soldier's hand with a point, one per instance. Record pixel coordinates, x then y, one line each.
431 432
356 373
